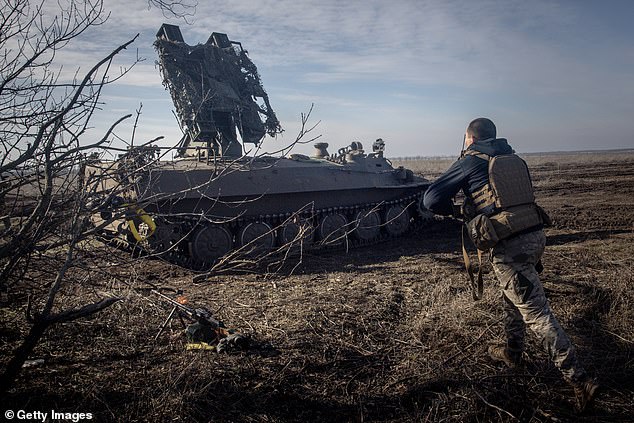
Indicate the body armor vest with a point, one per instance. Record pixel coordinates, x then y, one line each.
507 200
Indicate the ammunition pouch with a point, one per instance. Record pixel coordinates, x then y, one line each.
487 231
482 232
516 219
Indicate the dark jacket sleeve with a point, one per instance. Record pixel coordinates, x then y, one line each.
439 194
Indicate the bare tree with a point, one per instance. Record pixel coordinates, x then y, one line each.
183 9
47 200
44 119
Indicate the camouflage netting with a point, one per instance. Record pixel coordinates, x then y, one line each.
213 88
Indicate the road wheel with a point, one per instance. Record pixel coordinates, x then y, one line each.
165 238
368 225
296 233
210 242
396 220
332 229
257 237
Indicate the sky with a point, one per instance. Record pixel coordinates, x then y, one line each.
552 75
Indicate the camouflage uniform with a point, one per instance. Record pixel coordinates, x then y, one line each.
514 260
516 256
525 304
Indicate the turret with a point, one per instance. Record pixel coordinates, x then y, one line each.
216 89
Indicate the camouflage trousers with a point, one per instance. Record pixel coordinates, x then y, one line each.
525 303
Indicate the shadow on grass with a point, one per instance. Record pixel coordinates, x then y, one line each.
437 238
582 236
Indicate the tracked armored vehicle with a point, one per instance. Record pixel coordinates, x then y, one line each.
213 200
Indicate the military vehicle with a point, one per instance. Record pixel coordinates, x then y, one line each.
214 200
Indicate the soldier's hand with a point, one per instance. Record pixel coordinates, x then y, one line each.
457 211
468 210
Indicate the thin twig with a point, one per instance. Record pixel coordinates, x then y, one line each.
475 341
494 406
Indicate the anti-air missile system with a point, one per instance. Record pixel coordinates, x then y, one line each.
213 199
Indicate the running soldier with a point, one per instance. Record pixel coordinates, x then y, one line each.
502 217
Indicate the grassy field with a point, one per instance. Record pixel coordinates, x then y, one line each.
382 333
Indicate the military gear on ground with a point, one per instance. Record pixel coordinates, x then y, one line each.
199 346
235 341
198 332
205 332
585 393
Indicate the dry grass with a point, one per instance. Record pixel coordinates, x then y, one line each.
386 333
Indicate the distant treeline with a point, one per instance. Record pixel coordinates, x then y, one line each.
542 153
417 158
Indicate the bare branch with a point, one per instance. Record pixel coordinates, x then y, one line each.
183 9
87 310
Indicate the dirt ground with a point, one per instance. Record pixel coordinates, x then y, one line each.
382 333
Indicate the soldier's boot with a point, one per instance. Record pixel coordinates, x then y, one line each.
584 394
500 352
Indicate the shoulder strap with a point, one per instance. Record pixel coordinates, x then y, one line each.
477 288
476 154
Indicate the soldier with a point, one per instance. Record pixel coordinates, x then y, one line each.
502 217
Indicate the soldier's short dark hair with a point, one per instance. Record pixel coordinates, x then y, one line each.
481 129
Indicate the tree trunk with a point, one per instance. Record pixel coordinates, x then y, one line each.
21 354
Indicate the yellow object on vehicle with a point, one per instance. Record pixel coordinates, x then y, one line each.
145 218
